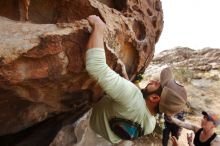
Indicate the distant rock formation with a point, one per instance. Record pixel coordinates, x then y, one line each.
202 60
43 82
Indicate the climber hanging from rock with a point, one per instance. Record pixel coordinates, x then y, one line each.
126 112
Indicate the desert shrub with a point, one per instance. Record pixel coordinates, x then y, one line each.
215 77
183 74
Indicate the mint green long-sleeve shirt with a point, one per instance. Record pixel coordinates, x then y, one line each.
123 99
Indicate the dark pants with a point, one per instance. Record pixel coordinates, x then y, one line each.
170 128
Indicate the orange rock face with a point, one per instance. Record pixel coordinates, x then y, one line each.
42 68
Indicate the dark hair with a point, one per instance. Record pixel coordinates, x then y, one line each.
146 93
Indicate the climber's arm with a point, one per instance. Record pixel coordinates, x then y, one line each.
185 125
119 89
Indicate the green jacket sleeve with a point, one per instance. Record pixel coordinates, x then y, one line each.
118 88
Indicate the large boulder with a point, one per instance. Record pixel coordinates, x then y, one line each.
43 82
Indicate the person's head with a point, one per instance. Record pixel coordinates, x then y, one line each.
167 96
152 93
210 120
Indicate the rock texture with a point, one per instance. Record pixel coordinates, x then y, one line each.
43 82
202 60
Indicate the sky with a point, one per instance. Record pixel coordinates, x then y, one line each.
190 23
